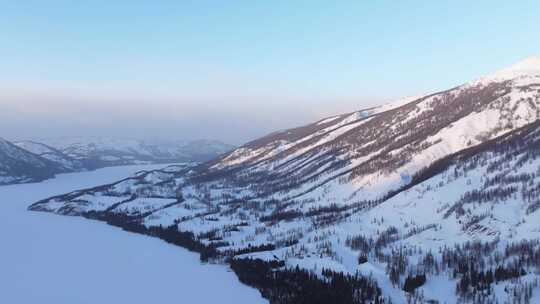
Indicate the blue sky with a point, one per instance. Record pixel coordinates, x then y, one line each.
237 69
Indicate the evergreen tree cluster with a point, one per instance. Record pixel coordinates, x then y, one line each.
413 282
297 286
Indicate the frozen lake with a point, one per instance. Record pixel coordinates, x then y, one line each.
46 258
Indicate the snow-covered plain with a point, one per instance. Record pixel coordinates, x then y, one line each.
45 258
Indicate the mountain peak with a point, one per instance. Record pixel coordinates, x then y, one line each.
527 67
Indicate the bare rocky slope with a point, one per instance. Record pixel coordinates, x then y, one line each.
433 198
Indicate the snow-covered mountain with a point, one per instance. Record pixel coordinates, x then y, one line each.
61 159
427 198
96 152
18 165
31 161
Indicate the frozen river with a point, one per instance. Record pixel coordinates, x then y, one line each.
46 258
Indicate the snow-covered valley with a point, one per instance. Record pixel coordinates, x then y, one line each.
46 258
433 199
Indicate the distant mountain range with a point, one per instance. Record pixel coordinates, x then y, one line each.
30 161
431 199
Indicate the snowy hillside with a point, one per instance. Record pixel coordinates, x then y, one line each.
18 165
428 198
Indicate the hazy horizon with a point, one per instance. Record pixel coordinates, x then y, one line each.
237 71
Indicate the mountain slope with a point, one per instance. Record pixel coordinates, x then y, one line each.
366 154
433 198
18 165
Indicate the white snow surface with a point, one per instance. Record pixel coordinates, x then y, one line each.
46 258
